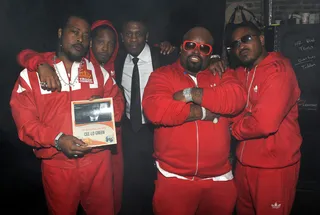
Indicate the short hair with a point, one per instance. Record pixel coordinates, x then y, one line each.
134 18
94 32
65 20
234 27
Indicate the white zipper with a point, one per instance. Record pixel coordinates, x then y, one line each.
248 97
197 161
197 129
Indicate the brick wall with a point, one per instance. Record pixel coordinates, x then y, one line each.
281 8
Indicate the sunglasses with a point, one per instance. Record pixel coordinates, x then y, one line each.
204 49
245 39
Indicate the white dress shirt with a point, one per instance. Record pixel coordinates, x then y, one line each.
145 69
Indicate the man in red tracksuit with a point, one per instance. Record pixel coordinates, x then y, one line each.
71 171
269 152
191 142
103 51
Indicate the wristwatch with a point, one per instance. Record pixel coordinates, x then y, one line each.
215 56
204 113
187 94
56 141
215 120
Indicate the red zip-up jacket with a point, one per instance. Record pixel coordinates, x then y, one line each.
270 137
198 148
41 115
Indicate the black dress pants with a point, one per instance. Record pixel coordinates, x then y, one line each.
139 170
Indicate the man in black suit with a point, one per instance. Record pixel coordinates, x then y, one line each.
133 68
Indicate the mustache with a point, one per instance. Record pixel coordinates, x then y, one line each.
78 44
242 50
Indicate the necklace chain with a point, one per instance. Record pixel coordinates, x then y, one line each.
70 84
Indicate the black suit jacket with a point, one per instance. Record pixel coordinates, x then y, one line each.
158 60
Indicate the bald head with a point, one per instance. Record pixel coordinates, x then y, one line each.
199 33
196 50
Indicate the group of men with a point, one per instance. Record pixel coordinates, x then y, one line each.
173 114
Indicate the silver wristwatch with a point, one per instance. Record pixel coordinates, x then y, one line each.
187 94
56 141
215 56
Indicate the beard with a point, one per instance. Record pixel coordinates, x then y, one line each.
250 59
102 60
248 62
194 67
74 57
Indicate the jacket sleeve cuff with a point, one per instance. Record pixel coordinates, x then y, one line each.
53 136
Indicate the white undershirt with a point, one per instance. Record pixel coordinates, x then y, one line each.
225 177
194 79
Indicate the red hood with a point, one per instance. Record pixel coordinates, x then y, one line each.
109 66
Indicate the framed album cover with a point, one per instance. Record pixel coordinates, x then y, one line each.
93 121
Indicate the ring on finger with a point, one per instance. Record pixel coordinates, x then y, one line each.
43 84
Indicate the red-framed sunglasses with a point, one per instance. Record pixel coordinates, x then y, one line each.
204 49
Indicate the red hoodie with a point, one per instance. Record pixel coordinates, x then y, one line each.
31 59
41 115
109 66
270 136
198 148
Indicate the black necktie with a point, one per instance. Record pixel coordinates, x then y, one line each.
135 105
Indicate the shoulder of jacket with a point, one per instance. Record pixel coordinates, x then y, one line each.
279 65
167 69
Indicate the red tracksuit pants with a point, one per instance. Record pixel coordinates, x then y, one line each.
117 167
89 184
175 196
265 191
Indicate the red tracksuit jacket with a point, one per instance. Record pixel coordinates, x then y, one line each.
198 148
270 136
41 115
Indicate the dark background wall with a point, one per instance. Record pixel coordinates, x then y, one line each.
33 24
281 8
